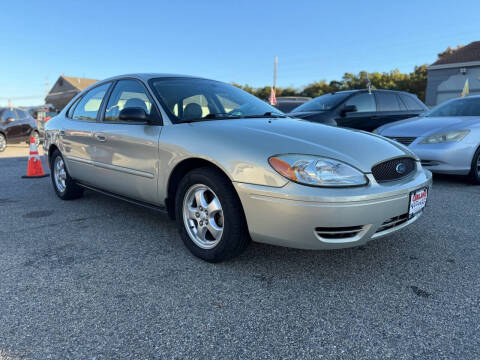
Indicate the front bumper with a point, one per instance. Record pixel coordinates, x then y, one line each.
306 217
445 158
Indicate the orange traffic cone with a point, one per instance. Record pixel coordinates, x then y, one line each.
34 168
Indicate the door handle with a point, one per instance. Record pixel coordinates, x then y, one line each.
100 137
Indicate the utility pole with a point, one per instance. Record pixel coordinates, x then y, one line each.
47 86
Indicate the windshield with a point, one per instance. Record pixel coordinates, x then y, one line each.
323 103
459 107
188 99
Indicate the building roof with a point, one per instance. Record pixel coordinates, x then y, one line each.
468 53
79 83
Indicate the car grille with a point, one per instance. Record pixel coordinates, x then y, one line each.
338 232
393 222
393 169
404 140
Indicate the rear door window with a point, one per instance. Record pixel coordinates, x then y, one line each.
88 106
364 102
387 102
411 102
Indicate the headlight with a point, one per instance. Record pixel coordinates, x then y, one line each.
317 171
445 137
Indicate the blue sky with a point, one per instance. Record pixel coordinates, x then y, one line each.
224 40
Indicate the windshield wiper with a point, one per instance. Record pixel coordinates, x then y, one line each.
268 114
211 116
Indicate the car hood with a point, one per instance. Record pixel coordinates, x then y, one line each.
268 137
426 126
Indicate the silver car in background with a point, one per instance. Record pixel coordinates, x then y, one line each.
230 168
446 139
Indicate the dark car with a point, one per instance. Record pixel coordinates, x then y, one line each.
16 126
42 115
359 109
287 103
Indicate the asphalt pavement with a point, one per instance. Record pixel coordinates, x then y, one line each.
97 278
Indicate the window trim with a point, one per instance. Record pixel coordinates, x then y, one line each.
158 120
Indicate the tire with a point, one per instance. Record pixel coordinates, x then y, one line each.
475 168
234 236
64 186
3 143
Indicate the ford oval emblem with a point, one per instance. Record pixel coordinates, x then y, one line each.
401 168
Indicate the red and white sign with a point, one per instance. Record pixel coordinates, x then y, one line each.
418 200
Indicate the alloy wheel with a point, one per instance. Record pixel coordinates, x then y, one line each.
478 166
3 143
203 216
59 174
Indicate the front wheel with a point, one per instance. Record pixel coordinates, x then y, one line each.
210 216
64 186
475 170
3 142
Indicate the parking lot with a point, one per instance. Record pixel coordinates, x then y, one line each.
98 278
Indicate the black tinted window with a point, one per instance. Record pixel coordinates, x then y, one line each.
88 106
323 103
387 102
364 102
411 102
127 94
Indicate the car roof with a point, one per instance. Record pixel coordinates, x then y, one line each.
373 90
148 76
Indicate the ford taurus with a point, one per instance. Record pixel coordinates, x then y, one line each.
230 168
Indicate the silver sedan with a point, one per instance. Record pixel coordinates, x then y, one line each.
230 168
447 138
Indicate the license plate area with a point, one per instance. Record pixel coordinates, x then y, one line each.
418 200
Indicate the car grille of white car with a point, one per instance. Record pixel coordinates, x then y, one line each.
393 222
338 232
404 140
393 169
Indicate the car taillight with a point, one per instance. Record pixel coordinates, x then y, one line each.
46 119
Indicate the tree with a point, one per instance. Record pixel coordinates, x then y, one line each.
449 51
414 82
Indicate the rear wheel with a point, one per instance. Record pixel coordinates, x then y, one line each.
3 143
210 216
475 170
64 186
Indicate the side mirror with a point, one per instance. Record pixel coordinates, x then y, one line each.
348 108
134 114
